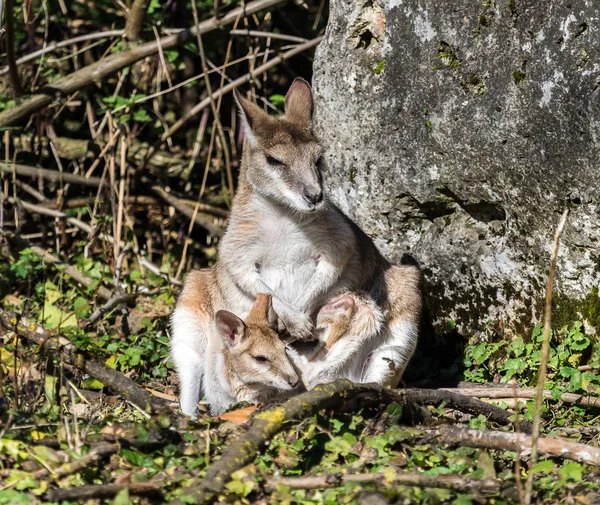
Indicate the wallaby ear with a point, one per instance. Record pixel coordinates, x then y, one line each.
259 315
230 327
250 113
299 103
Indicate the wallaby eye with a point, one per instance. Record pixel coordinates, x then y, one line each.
261 359
275 162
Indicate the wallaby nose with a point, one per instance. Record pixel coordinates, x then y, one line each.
293 382
313 195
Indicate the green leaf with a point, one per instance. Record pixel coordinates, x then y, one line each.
122 497
571 471
516 347
576 381
394 410
93 384
21 480
545 466
463 499
53 317
12 497
277 100
133 457
142 116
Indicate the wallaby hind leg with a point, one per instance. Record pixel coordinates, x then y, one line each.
191 323
386 363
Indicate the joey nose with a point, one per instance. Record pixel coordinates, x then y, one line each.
313 195
293 382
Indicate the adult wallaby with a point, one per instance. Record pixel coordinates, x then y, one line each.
286 239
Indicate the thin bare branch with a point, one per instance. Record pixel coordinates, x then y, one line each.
205 222
13 73
64 43
277 36
114 302
135 20
545 355
506 441
84 493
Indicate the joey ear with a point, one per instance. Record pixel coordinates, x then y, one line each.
259 315
250 113
299 103
230 327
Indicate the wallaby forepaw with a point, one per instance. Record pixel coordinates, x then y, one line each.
300 327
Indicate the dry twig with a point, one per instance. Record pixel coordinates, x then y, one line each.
544 361
96 453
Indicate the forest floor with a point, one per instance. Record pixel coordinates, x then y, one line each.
67 436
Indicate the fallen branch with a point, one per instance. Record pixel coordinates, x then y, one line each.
51 342
506 441
387 479
145 200
96 453
47 211
524 394
338 395
101 69
183 206
115 301
49 175
102 491
458 401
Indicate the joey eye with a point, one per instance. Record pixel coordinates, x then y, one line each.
261 359
275 162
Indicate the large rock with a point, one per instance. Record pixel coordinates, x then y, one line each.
458 132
